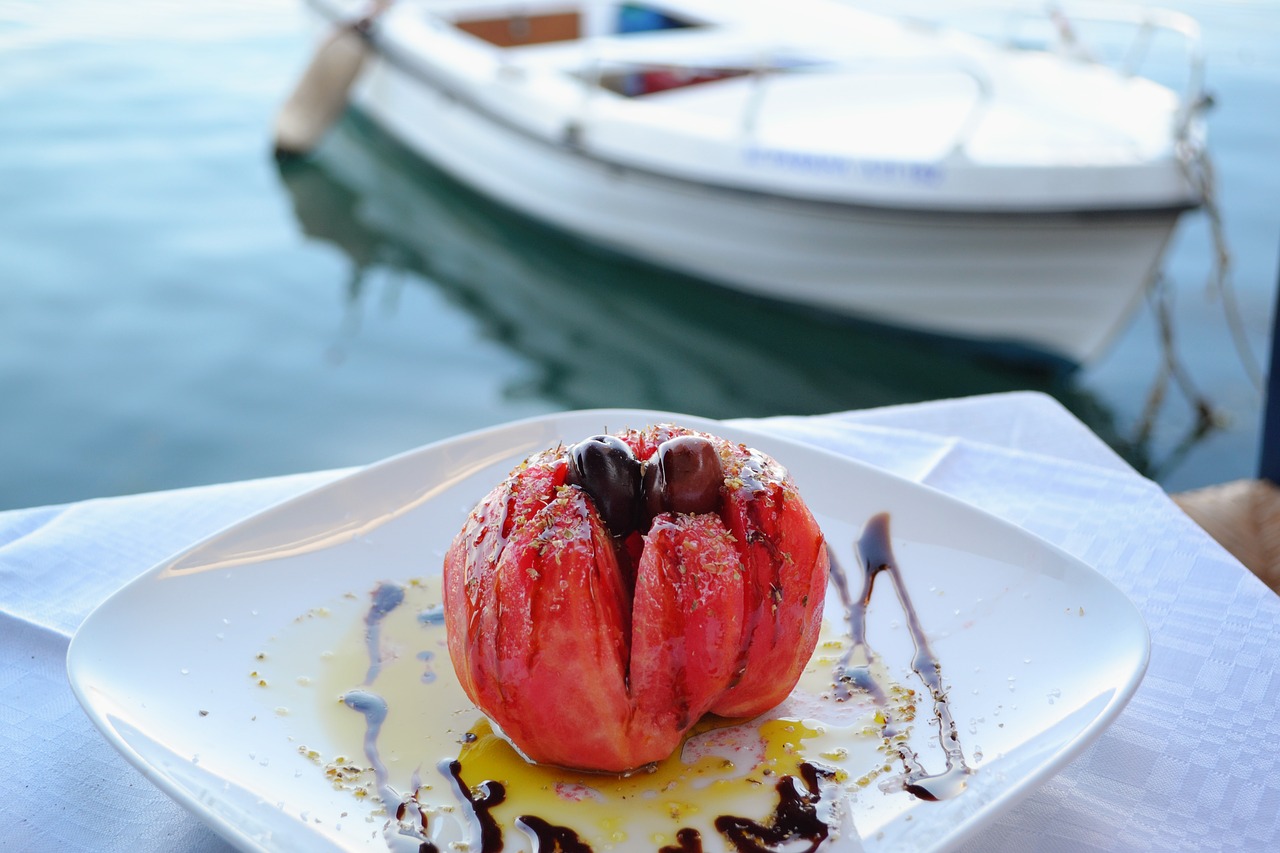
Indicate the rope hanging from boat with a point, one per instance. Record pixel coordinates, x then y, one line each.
1198 170
1160 297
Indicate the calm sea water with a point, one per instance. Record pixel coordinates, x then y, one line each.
177 309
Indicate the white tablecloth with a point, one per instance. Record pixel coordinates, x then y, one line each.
1192 763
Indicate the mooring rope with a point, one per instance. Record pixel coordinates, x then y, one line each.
1197 169
1199 172
1160 298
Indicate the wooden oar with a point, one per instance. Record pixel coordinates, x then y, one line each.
321 94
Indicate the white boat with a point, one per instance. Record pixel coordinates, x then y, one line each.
811 152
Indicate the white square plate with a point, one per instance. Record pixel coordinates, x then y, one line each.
208 672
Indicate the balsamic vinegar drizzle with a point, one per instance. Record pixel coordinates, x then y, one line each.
385 598
795 819
875 554
374 708
795 824
687 841
490 794
549 838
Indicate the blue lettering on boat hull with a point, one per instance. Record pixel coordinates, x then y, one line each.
815 163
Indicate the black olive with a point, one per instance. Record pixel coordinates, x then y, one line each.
605 468
684 475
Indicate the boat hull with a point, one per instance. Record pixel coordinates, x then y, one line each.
1060 283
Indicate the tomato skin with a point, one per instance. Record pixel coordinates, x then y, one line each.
600 651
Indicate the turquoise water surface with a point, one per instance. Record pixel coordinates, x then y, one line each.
176 308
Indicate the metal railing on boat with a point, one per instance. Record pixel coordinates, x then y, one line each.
1063 26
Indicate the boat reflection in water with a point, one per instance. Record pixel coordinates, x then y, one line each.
601 330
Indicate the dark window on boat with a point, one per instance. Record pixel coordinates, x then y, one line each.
644 18
647 81
640 18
